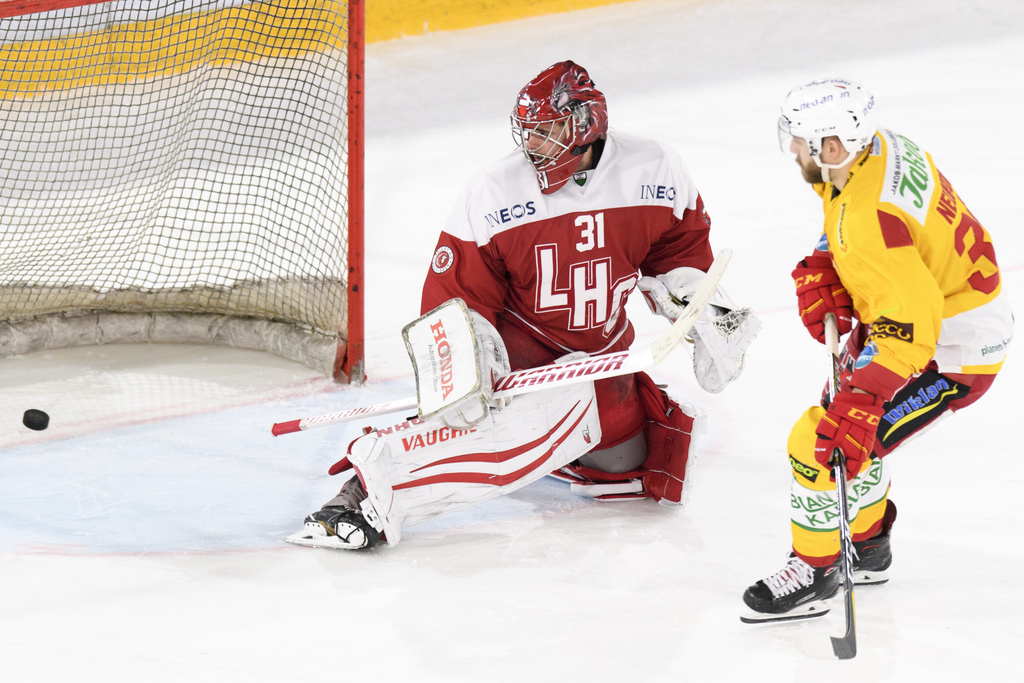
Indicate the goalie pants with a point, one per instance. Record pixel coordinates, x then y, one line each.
925 399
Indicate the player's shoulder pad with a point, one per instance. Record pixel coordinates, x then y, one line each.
502 194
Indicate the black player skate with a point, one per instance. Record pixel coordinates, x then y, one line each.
873 557
797 591
347 521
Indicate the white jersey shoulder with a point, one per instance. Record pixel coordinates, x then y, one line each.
632 172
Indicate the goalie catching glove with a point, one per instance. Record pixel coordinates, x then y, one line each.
721 335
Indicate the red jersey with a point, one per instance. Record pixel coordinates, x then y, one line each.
560 267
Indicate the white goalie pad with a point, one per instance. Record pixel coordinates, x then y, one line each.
720 337
456 357
422 468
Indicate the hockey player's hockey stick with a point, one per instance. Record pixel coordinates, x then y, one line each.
846 646
556 374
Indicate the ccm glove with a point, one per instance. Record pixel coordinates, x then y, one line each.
819 292
850 424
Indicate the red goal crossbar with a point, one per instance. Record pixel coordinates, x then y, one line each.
14 8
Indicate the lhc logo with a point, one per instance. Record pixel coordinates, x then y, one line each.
443 260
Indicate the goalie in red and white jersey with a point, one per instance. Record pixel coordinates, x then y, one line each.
542 250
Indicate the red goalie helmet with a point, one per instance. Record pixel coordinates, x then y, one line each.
557 116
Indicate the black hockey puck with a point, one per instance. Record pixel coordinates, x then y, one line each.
36 419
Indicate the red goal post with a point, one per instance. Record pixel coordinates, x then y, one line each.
183 171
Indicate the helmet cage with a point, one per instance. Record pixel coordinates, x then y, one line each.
543 142
557 116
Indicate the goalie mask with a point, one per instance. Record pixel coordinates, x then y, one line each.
557 117
828 107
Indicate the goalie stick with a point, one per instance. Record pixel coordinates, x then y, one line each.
556 374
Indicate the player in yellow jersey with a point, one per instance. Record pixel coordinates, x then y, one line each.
910 273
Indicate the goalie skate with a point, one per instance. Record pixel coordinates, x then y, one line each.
340 528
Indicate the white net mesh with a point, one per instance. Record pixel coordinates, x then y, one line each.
175 157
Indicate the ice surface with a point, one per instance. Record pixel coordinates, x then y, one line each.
140 535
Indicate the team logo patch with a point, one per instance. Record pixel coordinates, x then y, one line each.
918 404
876 146
883 327
806 471
443 259
866 356
822 244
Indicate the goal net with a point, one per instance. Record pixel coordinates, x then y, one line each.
179 171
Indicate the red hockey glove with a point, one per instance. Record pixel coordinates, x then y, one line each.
818 292
850 424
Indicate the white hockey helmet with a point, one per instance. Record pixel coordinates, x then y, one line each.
825 107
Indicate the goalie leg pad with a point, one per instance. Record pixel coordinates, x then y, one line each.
419 469
671 429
